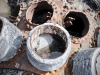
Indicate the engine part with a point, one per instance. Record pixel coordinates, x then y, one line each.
29 14
33 13
79 23
18 17
45 53
86 62
10 39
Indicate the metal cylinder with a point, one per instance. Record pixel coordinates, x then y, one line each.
87 62
49 46
10 39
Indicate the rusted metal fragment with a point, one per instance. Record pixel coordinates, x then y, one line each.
30 14
35 13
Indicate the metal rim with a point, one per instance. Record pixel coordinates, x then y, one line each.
50 61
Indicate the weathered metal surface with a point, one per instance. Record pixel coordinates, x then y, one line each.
21 62
45 44
64 8
71 13
30 16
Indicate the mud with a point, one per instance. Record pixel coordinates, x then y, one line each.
49 46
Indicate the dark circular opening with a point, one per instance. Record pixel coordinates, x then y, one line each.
1 25
77 24
42 13
15 12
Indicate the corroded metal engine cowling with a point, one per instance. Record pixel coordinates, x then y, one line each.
87 62
42 51
10 39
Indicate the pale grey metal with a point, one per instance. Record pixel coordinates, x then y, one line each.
10 39
48 64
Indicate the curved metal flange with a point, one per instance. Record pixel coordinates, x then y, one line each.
67 8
